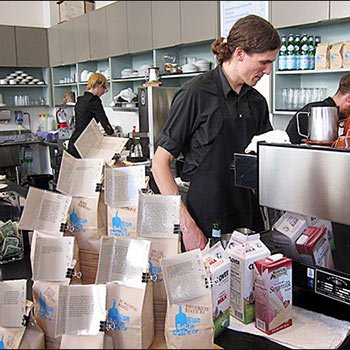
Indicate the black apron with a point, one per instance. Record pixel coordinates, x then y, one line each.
231 206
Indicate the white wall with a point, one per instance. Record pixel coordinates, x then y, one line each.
33 13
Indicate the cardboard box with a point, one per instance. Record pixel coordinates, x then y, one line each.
273 293
70 9
219 266
243 250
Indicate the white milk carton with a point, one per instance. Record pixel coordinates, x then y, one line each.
243 250
314 249
287 230
273 293
219 266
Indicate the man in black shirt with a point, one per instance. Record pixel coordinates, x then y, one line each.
212 117
341 99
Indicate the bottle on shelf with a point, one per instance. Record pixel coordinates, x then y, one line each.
297 51
311 51
317 41
290 60
304 49
283 53
215 234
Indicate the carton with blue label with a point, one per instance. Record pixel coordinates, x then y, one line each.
243 250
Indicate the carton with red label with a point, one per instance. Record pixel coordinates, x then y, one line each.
314 248
273 293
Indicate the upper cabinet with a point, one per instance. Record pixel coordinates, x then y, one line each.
81 38
31 46
67 42
117 29
54 39
139 19
288 13
8 57
98 33
199 20
339 9
166 23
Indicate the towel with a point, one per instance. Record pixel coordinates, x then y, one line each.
310 330
274 136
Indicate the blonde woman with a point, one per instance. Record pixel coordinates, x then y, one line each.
90 106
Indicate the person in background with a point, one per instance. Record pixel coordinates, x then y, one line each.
212 117
341 99
90 106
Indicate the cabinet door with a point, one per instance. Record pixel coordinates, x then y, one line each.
8 55
54 39
117 30
287 13
339 9
67 42
139 26
165 23
81 38
98 33
199 20
31 46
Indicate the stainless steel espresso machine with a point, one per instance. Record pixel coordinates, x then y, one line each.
154 104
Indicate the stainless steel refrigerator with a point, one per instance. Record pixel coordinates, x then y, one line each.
154 104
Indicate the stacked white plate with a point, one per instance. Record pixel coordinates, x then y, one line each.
203 65
189 68
129 72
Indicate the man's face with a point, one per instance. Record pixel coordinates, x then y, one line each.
252 67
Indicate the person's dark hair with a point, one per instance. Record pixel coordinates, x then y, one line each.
252 33
344 84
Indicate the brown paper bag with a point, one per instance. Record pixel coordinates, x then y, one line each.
190 325
86 341
130 315
122 222
346 54
87 218
161 248
45 297
336 56
33 338
322 56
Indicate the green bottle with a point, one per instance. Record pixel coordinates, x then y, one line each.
311 52
297 49
215 234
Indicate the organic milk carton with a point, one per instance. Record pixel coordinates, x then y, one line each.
219 266
287 230
243 250
273 293
314 248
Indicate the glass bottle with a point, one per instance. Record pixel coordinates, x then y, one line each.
290 60
304 48
317 41
311 51
283 53
297 51
215 234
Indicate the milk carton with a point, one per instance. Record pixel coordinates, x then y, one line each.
243 250
273 293
219 266
313 246
287 230
314 221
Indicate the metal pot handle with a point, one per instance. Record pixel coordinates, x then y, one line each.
298 125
